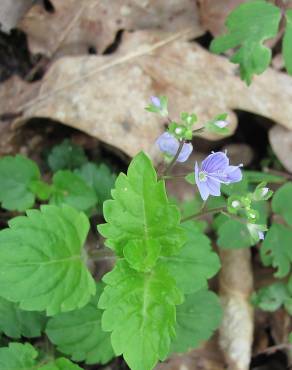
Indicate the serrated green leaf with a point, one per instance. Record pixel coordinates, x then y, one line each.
15 322
270 298
140 211
234 234
70 189
196 262
100 178
79 334
16 175
249 25
140 310
276 249
197 318
287 42
18 357
281 202
41 189
60 364
66 156
41 260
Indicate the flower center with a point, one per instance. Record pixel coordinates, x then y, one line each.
202 176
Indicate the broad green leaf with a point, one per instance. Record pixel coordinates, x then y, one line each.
72 190
42 263
276 249
234 234
281 202
60 364
66 156
78 334
16 175
41 189
257 177
141 213
18 357
271 297
140 311
15 322
249 26
195 263
98 177
197 318
287 42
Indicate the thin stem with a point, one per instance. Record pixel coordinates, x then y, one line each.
203 212
174 159
173 177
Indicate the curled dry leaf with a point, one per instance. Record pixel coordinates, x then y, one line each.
76 25
105 96
236 285
281 141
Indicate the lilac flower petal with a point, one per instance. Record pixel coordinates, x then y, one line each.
202 185
233 173
261 235
155 101
214 187
167 143
215 162
185 152
221 124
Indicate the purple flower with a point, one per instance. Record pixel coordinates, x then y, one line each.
221 124
155 101
169 144
261 235
215 170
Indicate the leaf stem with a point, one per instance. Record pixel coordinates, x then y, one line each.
203 212
174 159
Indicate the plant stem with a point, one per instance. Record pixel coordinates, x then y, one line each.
203 213
172 163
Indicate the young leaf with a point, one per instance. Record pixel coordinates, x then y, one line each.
42 264
79 334
257 177
197 318
72 190
287 42
15 322
60 364
16 175
100 178
41 189
66 156
271 297
276 249
281 202
140 213
234 234
195 263
249 26
140 311
17 357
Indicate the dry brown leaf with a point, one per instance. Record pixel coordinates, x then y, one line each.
78 25
11 12
213 13
105 96
236 285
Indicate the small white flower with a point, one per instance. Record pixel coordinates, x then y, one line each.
221 124
265 191
178 130
235 204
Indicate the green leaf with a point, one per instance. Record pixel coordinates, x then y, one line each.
41 189
42 263
17 357
100 178
16 175
60 364
140 213
197 318
281 202
196 262
276 249
15 322
249 26
234 234
238 188
287 42
140 311
70 189
271 297
66 155
257 177
79 334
